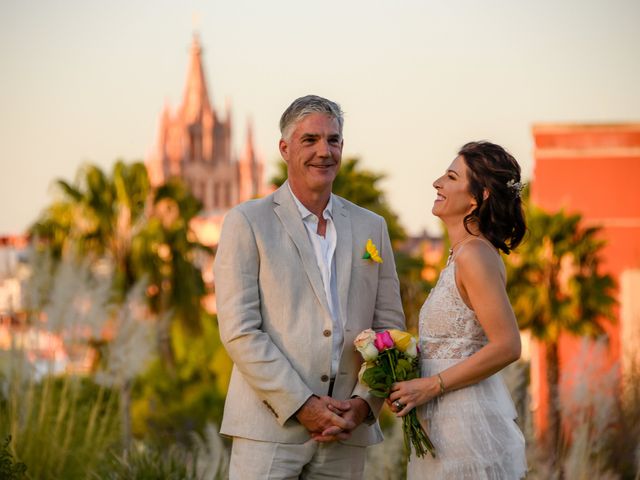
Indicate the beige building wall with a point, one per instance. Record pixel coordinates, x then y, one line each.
630 321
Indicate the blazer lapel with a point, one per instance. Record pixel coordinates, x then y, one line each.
344 254
289 215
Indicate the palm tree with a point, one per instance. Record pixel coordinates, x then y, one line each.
556 286
165 251
96 216
144 232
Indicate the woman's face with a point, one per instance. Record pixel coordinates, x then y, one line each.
453 199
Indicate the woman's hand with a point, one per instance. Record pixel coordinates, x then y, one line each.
405 396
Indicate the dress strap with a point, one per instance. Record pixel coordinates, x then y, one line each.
493 247
452 255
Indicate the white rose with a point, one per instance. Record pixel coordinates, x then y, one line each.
369 352
364 344
412 349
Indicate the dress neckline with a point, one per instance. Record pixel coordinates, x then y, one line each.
452 254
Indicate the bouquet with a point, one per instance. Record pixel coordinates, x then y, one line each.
392 356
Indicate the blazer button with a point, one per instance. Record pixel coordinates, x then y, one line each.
324 378
327 333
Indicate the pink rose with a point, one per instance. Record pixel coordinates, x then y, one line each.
383 341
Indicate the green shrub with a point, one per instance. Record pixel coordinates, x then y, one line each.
9 468
169 406
62 426
143 463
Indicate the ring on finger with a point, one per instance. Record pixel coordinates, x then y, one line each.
398 404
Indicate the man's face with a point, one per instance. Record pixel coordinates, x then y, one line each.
313 153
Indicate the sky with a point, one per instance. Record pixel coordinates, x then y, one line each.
85 81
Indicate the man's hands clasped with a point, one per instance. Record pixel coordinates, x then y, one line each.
329 420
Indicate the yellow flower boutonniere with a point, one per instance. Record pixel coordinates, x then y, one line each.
371 252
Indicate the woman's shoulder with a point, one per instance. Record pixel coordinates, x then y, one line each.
478 256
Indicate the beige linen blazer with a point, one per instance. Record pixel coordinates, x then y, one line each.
274 317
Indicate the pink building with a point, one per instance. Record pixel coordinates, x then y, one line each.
594 170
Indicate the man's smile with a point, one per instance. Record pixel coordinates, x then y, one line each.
321 165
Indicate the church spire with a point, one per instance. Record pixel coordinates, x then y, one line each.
250 169
196 99
249 150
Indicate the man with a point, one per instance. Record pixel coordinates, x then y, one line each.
293 291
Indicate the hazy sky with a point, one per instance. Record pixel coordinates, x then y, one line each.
86 80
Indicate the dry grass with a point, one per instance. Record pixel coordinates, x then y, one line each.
71 426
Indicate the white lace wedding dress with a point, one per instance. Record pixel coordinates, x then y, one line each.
473 428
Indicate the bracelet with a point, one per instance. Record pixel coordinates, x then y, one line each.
441 382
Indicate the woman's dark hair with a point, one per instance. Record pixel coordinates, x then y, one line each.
499 217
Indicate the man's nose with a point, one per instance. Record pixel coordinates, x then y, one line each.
324 149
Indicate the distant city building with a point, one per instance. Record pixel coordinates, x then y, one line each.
594 170
194 143
12 253
430 249
43 349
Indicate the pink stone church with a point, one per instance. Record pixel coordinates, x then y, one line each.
194 142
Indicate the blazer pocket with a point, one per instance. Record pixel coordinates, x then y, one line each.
365 263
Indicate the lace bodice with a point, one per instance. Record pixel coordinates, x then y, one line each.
448 328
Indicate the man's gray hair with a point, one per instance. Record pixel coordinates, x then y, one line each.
304 106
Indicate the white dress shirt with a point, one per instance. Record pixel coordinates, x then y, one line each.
324 249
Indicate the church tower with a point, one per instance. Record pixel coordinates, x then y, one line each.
194 143
249 168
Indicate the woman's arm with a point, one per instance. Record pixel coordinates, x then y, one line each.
480 279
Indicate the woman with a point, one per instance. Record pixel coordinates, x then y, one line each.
468 331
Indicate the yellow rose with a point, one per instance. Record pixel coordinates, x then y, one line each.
405 342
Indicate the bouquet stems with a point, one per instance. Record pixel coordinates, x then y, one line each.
414 434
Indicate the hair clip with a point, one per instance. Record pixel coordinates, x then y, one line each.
516 187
